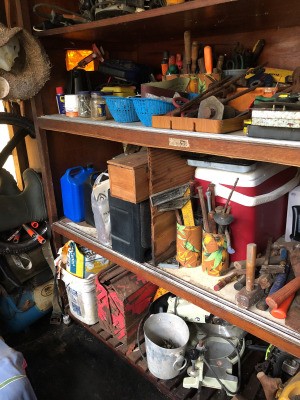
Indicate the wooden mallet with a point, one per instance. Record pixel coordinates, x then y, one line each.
251 293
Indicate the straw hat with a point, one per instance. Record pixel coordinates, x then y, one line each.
31 69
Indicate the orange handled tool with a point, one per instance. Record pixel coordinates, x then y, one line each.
282 310
277 298
32 233
208 59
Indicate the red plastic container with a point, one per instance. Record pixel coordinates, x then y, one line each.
258 204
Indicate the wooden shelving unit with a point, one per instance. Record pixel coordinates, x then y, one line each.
249 320
65 142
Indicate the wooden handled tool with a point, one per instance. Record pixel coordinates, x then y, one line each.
208 59
195 49
203 209
251 293
187 50
277 298
250 266
223 282
281 311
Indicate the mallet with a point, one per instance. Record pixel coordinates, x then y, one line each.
251 293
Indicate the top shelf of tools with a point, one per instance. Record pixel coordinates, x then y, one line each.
203 17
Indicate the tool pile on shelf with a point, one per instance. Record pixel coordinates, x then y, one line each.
278 117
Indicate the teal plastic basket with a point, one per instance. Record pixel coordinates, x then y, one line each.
121 108
146 108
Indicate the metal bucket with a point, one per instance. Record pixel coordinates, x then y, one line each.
166 337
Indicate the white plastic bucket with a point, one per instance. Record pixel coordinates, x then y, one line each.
159 329
82 297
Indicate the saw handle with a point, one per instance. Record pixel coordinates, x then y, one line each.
276 299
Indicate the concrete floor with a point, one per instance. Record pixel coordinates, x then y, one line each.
68 363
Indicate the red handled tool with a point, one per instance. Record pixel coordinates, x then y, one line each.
282 310
32 233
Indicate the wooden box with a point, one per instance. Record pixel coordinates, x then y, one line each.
122 300
129 177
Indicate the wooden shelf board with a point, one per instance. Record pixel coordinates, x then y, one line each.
263 325
233 145
203 17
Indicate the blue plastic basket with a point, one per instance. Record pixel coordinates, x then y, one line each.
145 108
121 108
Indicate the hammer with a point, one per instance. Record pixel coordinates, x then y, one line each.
252 292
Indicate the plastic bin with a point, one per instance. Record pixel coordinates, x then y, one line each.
146 108
82 297
259 203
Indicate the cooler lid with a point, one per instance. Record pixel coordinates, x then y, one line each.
263 172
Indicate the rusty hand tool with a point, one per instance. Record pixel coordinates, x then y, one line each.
211 222
211 188
265 280
230 195
241 282
187 50
203 209
258 263
252 292
32 233
215 108
227 84
223 282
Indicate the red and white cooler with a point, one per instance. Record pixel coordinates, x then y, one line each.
258 204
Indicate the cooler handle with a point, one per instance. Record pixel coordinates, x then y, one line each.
249 201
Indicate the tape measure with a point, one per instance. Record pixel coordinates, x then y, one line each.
187 211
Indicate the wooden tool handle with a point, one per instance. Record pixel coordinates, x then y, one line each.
277 298
281 311
201 66
187 49
208 59
250 266
203 209
195 49
211 222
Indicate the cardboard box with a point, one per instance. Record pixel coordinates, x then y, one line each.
128 177
122 300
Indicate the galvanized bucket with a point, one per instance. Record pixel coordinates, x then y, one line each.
166 337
